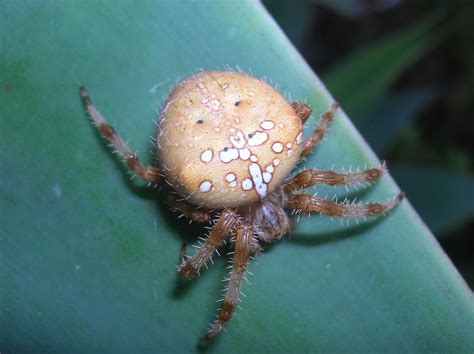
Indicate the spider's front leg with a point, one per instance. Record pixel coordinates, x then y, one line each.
243 247
321 128
303 111
308 204
148 173
224 226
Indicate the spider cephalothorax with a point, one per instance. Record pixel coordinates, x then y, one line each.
226 143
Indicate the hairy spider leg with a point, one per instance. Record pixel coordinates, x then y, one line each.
148 173
243 246
189 211
321 128
303 111
308 204
308 178
224 226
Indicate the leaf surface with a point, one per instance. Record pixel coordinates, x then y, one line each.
87 257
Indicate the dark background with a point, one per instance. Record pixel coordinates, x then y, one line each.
425 107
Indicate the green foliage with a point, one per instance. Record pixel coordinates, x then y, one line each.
87 258
362 83
361 79
392 116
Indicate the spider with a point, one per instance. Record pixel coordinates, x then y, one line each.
226 143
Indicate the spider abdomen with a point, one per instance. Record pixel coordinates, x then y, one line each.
226 139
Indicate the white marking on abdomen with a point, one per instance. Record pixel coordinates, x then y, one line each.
206 156
238 140
247 184
230 177
267 125
229 155
258 138
267 177
277 147
244 154
257 178
205 186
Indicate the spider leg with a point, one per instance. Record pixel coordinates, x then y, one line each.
307 204
198 215
308 178
148 173
303 111
225 225
182 253
243 245
321 128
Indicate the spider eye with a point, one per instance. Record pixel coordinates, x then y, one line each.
237 103
200 121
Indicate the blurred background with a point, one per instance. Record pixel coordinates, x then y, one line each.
404 72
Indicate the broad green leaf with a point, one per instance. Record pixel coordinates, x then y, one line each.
87 257
359 80
444 198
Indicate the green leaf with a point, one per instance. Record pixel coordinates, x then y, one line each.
362 78
444 198
88 257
